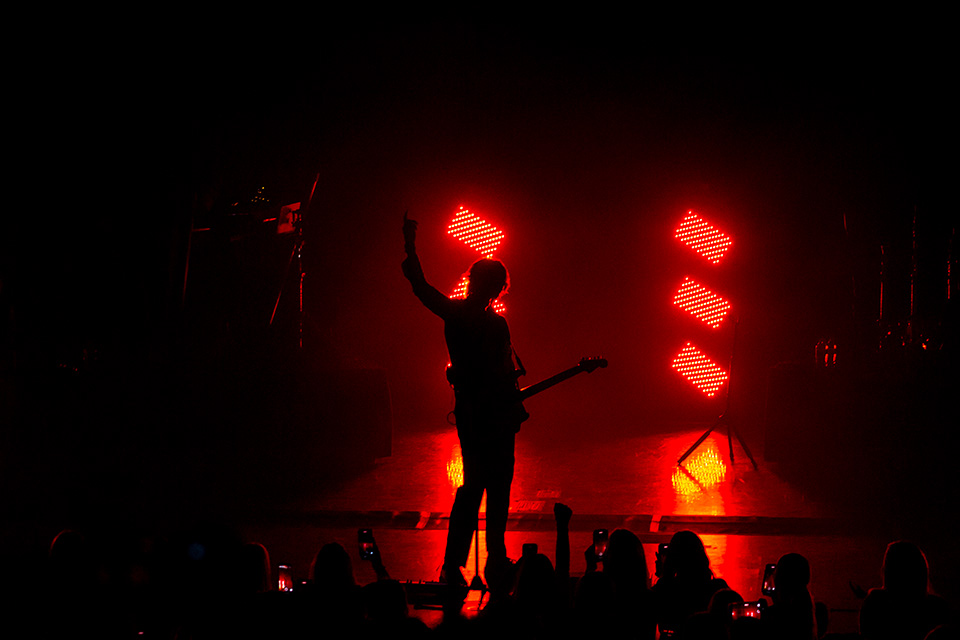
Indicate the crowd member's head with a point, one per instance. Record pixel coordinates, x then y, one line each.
721 600
332 568
792 575
71 561
253 568
624 560
687 557
904 607
535 581
942 632
793 614
905 569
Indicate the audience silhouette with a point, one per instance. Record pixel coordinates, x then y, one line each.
386 612
73 590
792 616
904 607
613 599
686 583
333 591
254 569
719 607
633 608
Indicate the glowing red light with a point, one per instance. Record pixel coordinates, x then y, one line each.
703 471
455 470
703 237
702 372
461 291
285 579
826 352
475 232
480 235
701 303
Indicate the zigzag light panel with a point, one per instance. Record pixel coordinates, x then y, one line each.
699 370
701 303
475 232
703 237
461 291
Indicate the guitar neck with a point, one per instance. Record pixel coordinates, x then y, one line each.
543 385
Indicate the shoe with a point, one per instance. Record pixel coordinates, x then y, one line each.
500 574
452 576
456 588
499 565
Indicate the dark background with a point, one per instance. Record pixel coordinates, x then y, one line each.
585 144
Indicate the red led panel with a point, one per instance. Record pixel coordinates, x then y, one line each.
475 232
702 372
480 235
701 303
461 291
703 237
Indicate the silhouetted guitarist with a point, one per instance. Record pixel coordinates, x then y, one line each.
488 409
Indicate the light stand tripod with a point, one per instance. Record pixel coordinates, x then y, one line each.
722 419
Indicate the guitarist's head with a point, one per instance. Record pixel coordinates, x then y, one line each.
487 279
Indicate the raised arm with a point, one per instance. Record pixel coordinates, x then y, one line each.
431 298
409 235
562 514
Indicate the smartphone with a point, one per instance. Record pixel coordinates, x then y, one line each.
660 563
600 539
747 609
284 578
530 549
366 543
766 587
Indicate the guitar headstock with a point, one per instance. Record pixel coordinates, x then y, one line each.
592 364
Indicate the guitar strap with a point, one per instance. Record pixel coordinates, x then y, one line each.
521 371
521 412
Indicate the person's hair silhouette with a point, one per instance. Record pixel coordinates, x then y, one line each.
332 569
686 582
487 279
633 608
904 608
793 615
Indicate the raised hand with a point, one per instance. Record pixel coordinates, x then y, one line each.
562 514
409 230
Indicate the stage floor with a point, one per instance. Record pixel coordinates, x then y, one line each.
747 517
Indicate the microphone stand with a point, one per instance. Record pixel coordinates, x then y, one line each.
297 252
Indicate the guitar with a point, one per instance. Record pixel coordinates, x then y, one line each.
586 365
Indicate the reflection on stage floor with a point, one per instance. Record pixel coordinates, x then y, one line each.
747 517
